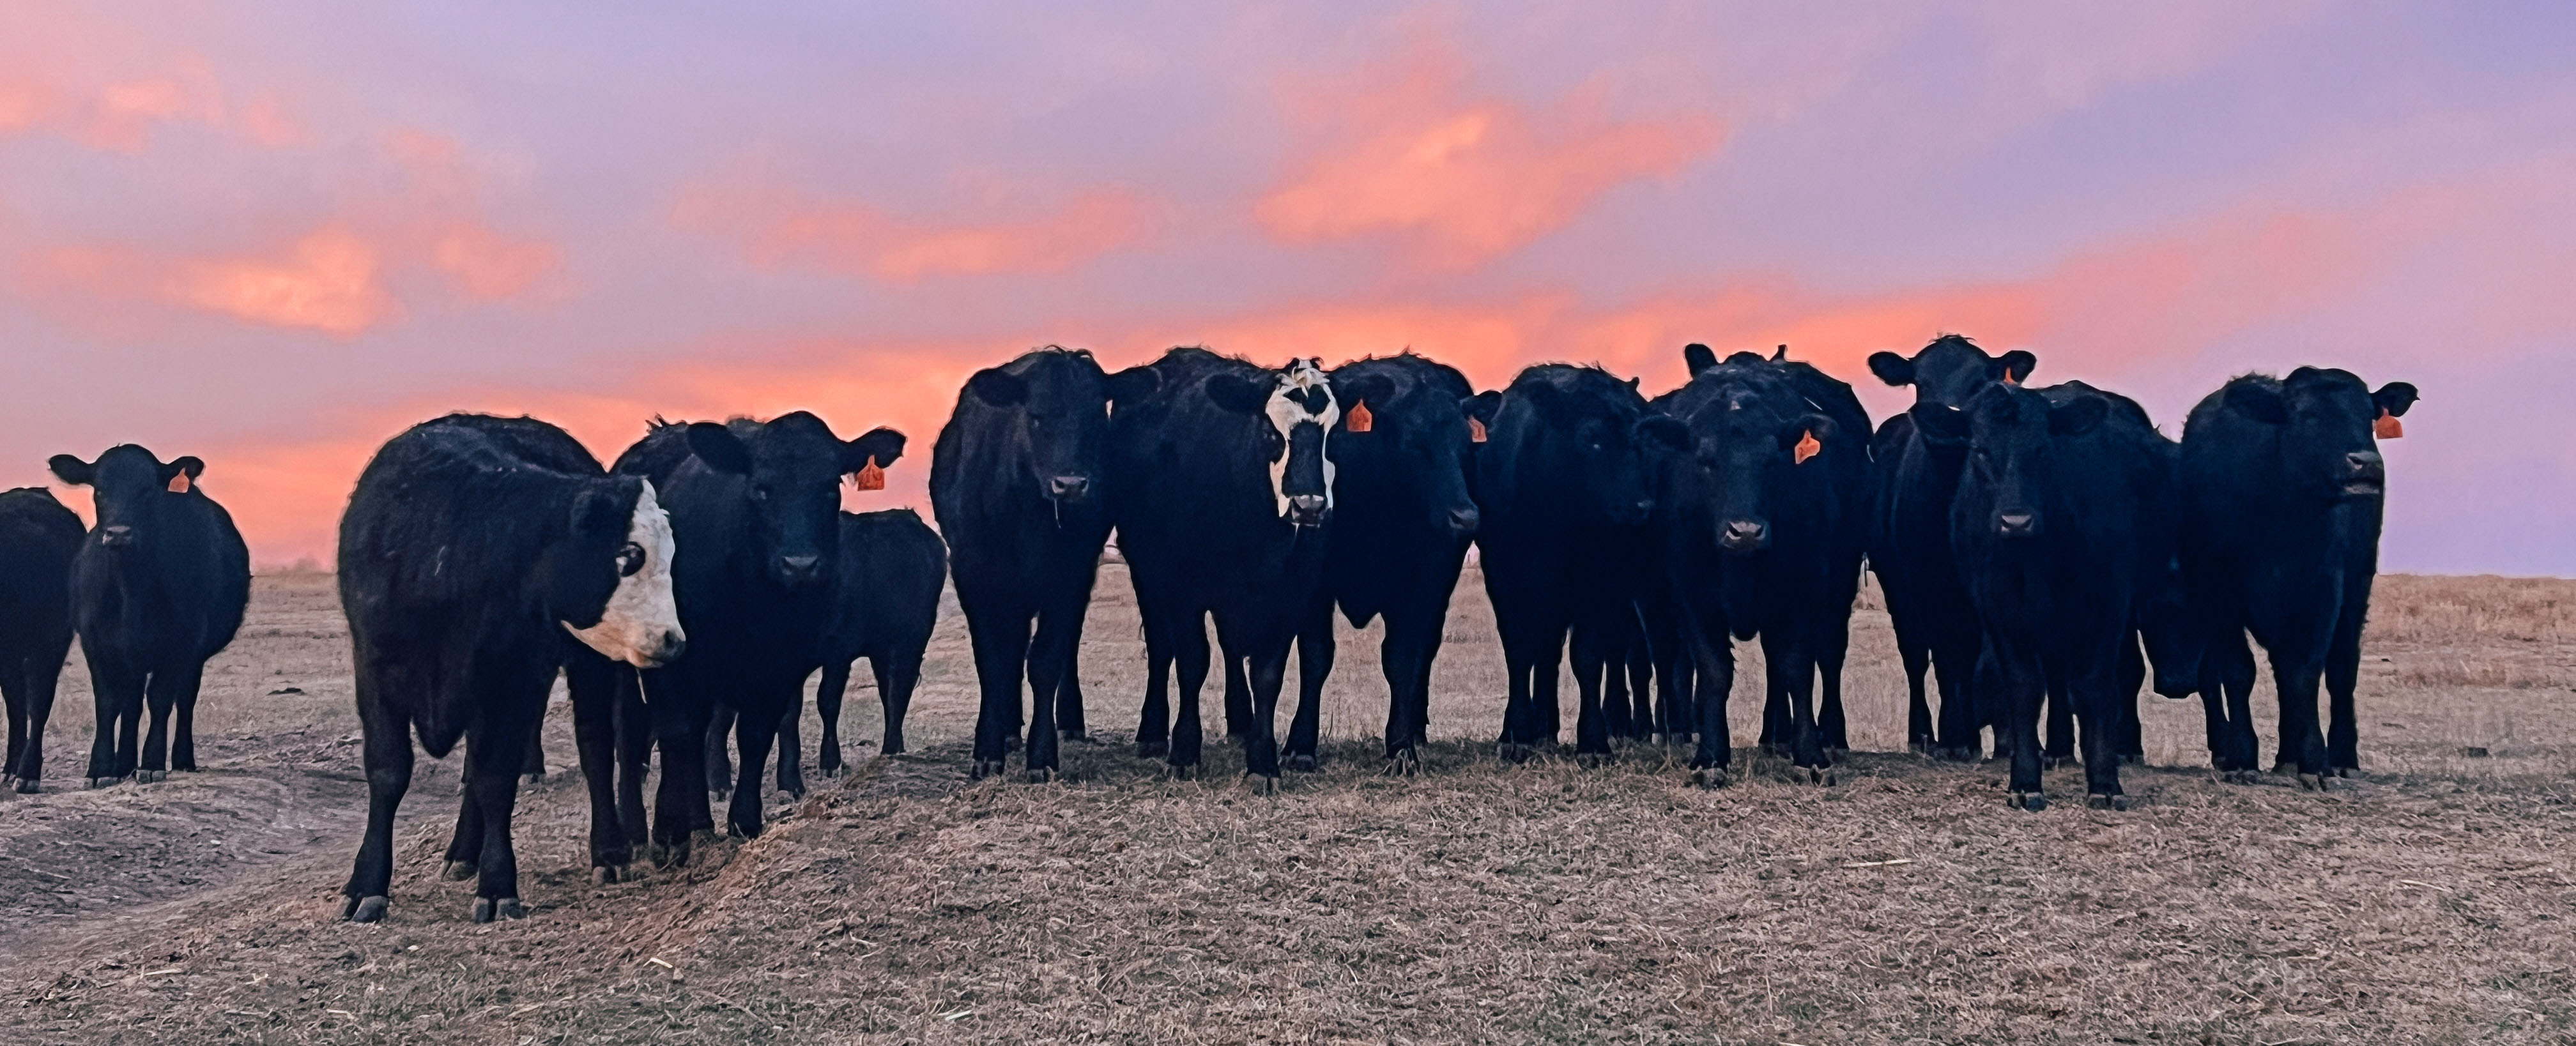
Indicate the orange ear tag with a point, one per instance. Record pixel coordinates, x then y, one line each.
868 477
2388 427
179 483
2008 378
1807 447
1359 419
1475 429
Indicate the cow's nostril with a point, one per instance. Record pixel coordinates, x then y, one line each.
1464 520
1068 488
673 645
2015 522
2364 463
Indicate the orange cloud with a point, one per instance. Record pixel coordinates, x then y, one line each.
1465 179
779 228
326 282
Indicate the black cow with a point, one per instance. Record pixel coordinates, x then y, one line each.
2059 526
1909 535
1402 517
478 555
38 538
1847 461
892 568
1019 482
1563 482
159 586
1223 489
1763 540
2283 488
755 512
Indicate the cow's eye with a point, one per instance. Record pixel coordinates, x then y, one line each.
630 559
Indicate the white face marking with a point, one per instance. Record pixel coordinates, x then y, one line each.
1285 413
642 611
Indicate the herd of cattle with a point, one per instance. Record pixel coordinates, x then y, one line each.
2041 549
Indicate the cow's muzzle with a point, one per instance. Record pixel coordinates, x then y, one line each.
1306 510
2017 524
799 571
116 536
1744 535
2365 474
1068 489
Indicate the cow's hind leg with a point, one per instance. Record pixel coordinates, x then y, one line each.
387 755
1315 653
184 685
897 673
465 845
494 784
754 734
719 762
1001 640
828 695
1191 653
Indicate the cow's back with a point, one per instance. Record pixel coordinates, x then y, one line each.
892 569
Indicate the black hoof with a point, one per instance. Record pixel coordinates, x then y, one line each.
151 776
829 772
1709 777
1039 775
2052 762
1304 764
1820 777
27 786
1152 749
2243 777
538 777
1592 760
365 909
1514 753
1185 771
2283 766
487 909
1958 754
2313 782
459 871
2344 771
670 855
1405 763
102 782
613 873
2098 801
721 794
2031 801
986 768
1262 784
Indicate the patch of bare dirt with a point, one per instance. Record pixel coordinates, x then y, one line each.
2432 900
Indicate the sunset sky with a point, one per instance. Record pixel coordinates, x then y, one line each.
271 235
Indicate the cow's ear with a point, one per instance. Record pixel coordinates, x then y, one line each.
1241 394
72 470
2260 401
1697 357
2394 398
1365 388
879 445
1663 431
2077 416
998 388
1892 368
1940 423
716 445
190 466
1133 384
1780 355
2017 366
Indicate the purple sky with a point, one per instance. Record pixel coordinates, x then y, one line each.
272 235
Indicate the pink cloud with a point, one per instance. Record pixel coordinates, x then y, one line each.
326 280
488 265
1405 151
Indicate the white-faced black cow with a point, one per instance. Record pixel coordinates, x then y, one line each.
1763 539
1562 483
1019 481
2060 527
38 538
1909 536
754 510
1223 488
159 586
1402 517
478 555
2283 489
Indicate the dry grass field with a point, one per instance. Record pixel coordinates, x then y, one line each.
2432 899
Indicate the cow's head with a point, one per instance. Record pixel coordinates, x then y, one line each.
790 470
2010 433
1601 436
1752 432
1417 437
128 487
2324 418
609 580
1298 403
2173 639
1057 401
1951 370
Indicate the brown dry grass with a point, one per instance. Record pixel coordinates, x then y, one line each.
2430 901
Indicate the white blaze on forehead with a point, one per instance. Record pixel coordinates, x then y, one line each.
642 611
1285 414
